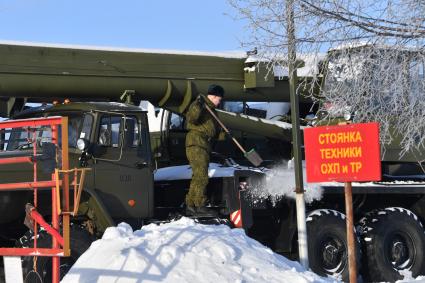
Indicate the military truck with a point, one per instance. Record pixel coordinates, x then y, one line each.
112 139
388 215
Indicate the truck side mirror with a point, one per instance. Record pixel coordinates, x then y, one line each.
104 137
82 144
97 150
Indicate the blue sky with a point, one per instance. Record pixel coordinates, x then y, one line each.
159 24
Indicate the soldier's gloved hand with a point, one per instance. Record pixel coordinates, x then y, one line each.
201 101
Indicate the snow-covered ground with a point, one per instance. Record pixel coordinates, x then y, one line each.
184 251
408 277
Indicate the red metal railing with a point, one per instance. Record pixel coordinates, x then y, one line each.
60 242
15 160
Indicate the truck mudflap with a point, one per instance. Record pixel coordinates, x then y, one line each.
239 201
242 217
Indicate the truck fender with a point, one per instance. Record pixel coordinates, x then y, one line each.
418 208
94 208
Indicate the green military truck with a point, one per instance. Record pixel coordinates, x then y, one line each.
112 139
122 186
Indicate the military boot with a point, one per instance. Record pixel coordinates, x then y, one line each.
205 212
190 211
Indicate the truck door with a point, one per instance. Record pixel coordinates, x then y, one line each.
123 174
176 138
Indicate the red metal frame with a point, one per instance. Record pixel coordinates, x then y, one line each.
40 220
28 185
15 160
60 243
32 123
32 252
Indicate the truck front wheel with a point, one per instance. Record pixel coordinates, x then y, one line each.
80 241
327 243
394 241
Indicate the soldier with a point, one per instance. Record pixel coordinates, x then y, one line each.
203 130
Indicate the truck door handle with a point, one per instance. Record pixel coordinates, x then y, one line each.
140 164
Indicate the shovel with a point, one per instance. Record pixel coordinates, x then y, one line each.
251 155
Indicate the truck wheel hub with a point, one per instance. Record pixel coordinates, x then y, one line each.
400 249
332 255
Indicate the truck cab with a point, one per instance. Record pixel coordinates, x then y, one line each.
116 148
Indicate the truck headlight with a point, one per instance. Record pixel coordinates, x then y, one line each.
82 144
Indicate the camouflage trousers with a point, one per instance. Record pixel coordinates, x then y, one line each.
199 159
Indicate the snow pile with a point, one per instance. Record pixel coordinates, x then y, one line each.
407 274
310 68
283 125
279 182
183 251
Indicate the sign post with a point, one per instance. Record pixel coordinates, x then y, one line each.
344 154
296 136
352 265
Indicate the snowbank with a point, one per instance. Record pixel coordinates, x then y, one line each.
183 251
409 278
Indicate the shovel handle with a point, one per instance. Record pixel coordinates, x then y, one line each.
216 118
225 129
239 145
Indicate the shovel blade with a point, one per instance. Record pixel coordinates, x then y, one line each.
254 157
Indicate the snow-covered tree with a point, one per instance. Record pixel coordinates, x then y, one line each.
375 56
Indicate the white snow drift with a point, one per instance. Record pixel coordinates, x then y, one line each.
183 251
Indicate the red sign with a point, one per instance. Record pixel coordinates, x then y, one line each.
343 153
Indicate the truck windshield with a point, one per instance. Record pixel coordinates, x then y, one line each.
79 126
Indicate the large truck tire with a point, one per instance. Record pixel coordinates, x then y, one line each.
393 241
80 241
327 244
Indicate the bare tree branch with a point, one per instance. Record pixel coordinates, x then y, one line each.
376 63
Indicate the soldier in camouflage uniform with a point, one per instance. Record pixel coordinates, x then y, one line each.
203 130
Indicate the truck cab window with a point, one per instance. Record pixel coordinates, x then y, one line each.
132 133
109 131
87 126
78 127
177 122
74 126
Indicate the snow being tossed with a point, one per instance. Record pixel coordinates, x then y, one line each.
279 182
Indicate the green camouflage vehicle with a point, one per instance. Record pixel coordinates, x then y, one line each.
112 139
388 215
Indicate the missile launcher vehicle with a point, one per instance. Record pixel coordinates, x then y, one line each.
129 182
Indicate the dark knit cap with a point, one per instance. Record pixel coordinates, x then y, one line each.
216 90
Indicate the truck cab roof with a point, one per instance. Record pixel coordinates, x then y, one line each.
79 107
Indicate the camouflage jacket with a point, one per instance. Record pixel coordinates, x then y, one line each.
202 127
